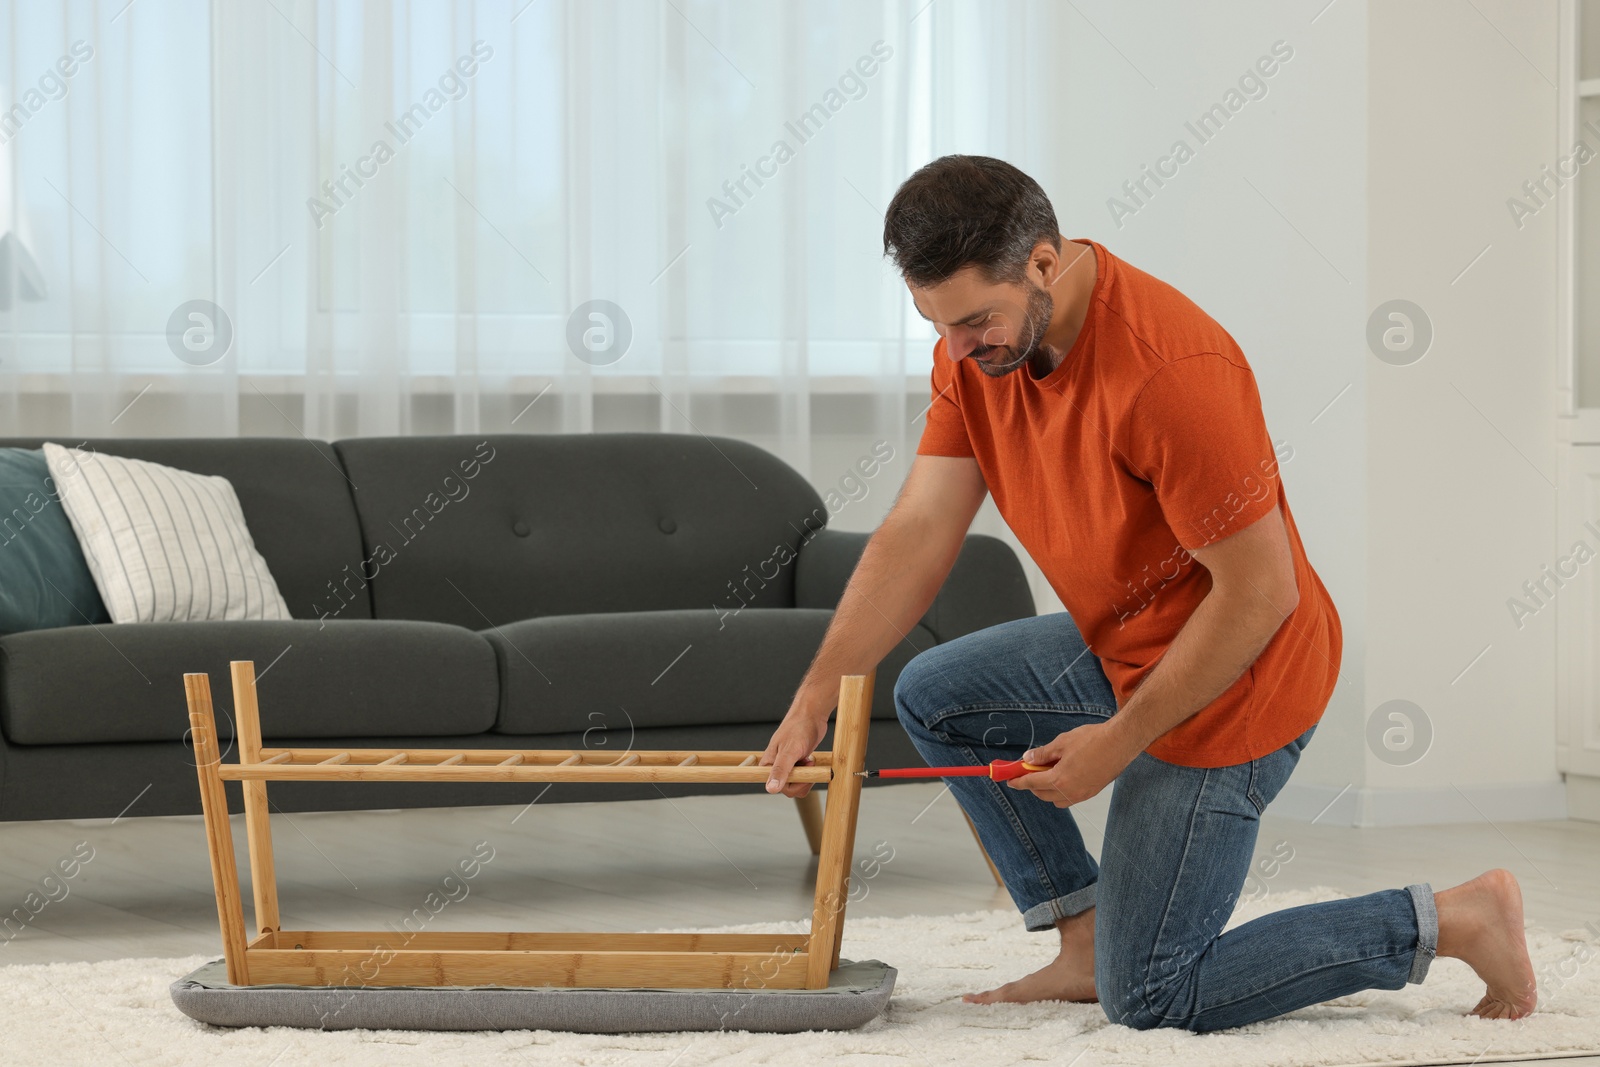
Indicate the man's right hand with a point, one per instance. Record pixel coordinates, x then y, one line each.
796 738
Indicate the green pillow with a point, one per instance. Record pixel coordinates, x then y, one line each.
44 579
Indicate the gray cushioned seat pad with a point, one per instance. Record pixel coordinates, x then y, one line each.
857 993
371 678
640 670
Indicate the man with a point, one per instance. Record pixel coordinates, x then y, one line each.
1120 431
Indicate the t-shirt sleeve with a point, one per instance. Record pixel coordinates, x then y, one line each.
1197 434
944 433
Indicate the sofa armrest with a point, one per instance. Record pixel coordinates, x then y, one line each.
985 587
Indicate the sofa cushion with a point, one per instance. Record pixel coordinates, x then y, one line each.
368 678
584 522
296 502
44 579
611 674
165 545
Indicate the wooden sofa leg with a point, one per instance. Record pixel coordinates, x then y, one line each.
810 809
984 852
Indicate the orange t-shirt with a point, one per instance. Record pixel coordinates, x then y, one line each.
1147 441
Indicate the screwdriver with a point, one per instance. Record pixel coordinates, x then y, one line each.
1001 770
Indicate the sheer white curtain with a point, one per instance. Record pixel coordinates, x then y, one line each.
402 209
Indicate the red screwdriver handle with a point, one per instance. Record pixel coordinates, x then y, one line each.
1003 770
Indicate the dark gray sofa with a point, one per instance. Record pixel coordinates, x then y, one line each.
576 591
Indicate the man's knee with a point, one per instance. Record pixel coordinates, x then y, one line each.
1135 1008
1149 999
916 689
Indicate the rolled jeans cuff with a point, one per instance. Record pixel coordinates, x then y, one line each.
1427 931
1044 916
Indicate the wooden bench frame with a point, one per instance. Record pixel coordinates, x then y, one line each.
443 958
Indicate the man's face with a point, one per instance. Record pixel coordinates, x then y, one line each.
998 325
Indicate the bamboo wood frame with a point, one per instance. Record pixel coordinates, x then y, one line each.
272 955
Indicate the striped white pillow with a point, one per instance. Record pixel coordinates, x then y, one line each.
164 545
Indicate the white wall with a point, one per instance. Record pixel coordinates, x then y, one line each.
1461 445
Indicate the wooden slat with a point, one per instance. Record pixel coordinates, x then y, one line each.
398 757
448 967
219 836
839 827
321 772
511 760
342 757
750 760
483 940
257 814
549 757
690 760
452 761
279 758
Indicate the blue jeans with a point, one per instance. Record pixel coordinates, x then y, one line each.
1178 845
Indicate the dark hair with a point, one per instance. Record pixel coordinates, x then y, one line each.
967 211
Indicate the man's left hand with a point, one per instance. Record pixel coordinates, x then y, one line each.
1086 759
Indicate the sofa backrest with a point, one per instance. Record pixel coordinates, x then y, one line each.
483 531
296 502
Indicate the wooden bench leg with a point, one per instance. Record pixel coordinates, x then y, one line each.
983 851
219 835
839 828
257 817
810 809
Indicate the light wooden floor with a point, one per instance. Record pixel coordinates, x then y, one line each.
639 865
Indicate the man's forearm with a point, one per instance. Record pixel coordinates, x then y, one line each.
898 576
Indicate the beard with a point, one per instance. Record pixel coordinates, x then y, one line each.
1035 320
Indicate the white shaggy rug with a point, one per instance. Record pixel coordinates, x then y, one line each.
119 1013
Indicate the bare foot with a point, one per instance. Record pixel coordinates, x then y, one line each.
1480 923
1070 976
1060 979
